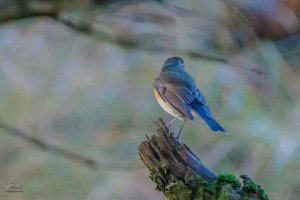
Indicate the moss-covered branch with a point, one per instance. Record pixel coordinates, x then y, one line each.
181 175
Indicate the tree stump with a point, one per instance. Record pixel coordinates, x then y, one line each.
181 175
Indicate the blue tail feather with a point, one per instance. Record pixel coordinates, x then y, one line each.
208 118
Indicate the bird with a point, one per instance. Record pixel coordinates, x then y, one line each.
176 92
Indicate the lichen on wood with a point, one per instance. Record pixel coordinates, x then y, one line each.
181 175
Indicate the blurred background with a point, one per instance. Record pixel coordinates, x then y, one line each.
78 76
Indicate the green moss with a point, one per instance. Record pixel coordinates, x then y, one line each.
155 177
262 193
193 187
205 190
250 186
163 170
164 167
224 194
229 179
192 179
178 191
210 187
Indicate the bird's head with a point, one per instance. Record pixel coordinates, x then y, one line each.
174 62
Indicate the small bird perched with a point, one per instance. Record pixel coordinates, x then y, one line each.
176 92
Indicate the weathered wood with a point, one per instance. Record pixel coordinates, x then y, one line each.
181 175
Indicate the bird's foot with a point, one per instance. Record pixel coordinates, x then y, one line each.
177 137
168 125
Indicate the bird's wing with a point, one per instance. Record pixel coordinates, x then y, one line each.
200 99
178 96
181 92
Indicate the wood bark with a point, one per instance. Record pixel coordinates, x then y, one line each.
181 175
